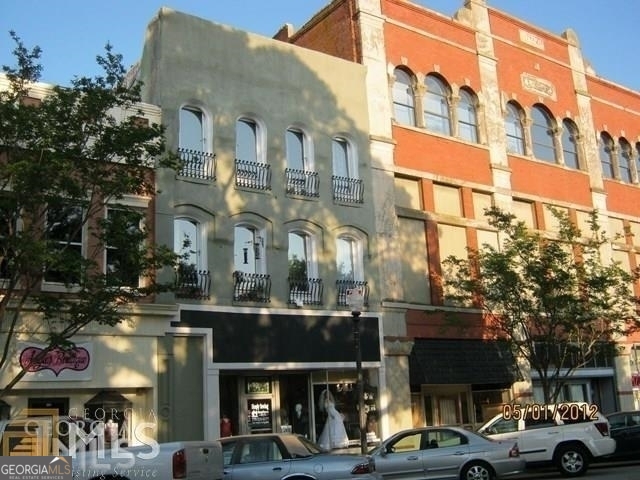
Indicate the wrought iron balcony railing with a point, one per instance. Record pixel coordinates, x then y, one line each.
343 285
302 182
192 283
197 164
253 175
305 291
348 190
251 287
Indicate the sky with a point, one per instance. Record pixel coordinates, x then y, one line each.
72 32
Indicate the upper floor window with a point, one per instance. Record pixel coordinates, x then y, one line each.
247 141
606 151
187 243
513 125
192 129
248 249
8 232
542 135
349 258
343 158
637 161
298 157
467 117
570 144
124 229
625 160
403 98
64 228
436 106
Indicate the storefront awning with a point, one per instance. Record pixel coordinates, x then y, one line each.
455 361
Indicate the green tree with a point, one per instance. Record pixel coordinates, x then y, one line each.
557 300
67 162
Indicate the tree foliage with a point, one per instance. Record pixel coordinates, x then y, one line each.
559 300
65 161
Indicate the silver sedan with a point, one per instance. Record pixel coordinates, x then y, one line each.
274 456
446 453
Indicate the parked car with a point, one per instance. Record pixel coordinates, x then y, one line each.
625 430
446 453
567 435
273 456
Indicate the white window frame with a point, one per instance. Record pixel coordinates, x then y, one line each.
306 147
205 124
199 248
259 246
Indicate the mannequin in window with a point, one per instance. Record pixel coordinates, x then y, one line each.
300 421
226 429
333 435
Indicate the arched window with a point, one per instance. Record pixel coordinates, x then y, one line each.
304 285
625 160
188 242
349 258
514 129
248 249
192 129
436 106
542 129
347 187
467 117
247 141
403 98
606 155
570 144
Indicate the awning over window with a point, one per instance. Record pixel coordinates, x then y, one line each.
453 361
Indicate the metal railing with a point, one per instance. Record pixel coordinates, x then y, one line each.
251 287
253 175
302 182
197 164
347 190
343 285
192 283
305 291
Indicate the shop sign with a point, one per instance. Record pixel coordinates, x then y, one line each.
259 414
62 364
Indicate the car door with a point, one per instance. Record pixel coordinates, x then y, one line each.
400 458
257 458
540 436
446 450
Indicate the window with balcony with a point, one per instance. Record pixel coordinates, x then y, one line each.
350 266
252 171
347 187
64 229
606 152
301 179
194 149
403 98
250 280
625 160
124 227
466 112
193 279
570 144
542 135
514 128
436 106
305 287
8 229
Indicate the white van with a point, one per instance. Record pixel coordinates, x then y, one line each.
567 435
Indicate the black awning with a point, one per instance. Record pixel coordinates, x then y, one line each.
457 361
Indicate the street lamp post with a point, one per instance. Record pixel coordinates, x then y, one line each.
355 300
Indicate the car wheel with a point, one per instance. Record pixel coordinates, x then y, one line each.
572 460
477 471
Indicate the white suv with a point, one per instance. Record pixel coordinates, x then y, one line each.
567 435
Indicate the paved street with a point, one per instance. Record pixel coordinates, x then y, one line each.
605 471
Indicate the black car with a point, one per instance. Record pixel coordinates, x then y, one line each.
625 429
